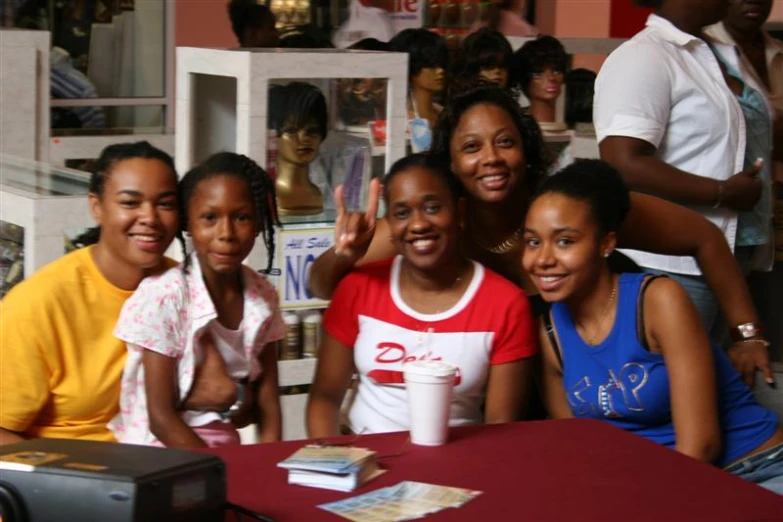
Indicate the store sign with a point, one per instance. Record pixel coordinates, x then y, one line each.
300 248
407 14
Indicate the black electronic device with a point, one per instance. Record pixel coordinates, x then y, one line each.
57 480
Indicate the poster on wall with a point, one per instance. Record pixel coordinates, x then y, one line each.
299 248
408 14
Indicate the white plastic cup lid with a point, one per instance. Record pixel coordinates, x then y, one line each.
430 368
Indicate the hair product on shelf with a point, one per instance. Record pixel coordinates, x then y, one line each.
292 344
311 334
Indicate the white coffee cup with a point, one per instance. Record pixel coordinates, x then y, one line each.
430 386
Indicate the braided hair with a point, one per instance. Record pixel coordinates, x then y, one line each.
102 170
262 190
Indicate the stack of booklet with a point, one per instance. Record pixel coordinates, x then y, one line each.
340 468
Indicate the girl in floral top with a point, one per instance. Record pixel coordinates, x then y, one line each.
210 298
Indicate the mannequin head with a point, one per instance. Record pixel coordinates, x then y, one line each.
297 112
484 54
253 24
747 17
428 58
541 67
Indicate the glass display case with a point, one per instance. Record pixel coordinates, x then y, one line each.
41 209
241 100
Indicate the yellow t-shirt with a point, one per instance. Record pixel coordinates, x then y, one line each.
60 365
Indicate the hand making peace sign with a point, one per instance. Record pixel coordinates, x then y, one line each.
353 231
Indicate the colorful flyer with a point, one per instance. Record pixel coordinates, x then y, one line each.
405 501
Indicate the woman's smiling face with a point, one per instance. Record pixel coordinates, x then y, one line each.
564 248
487 153
423 218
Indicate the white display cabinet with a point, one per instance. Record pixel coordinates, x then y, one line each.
222 95
223 98
40 208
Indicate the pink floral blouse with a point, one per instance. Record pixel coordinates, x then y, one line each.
168 314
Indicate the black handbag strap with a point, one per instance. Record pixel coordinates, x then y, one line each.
640 332
549 328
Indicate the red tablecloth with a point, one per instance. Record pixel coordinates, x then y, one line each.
568 470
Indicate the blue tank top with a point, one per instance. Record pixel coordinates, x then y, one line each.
623 383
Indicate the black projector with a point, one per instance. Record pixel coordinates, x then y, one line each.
58 480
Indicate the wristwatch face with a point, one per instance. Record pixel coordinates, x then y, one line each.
747 330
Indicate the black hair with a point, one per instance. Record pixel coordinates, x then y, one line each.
260 184
101 172
596 183
580 90
535 56
537 161
369 44
656 4
246 14
425 50
484 49
428 162
299 101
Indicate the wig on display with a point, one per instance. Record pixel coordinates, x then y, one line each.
535 56
425 49
297 103
484 49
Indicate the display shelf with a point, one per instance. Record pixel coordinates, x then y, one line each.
222 95
297 372
325 218
40 208
222 104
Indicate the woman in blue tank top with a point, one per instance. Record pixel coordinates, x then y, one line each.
630 349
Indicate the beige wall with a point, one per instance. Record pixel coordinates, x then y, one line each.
582 19
777 11
203 23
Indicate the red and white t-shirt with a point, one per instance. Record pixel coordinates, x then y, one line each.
491 324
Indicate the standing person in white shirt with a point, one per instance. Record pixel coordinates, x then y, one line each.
666 116
760 62
366 18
